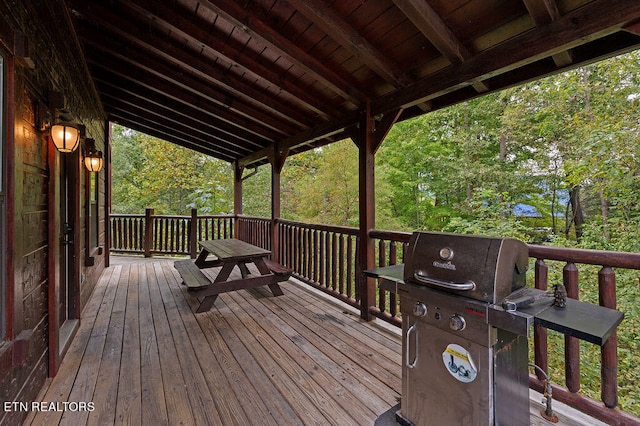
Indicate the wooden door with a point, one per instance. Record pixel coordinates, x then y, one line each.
64 306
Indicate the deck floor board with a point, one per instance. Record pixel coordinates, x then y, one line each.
175 385
153 403
142 356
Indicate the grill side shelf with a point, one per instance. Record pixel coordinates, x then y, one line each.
389 276
392 273
585 321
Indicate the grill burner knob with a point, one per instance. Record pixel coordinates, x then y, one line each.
457 323
419 309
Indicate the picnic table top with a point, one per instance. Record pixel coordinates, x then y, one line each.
233 249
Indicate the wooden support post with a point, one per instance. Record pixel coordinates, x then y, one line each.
277 159
366 253
13 294
148 232
107 193
275 213
237 196
368 138
540 333
53 287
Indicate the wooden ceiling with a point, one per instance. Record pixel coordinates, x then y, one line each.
233 78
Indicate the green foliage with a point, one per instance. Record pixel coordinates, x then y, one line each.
150 173
321 186
256 195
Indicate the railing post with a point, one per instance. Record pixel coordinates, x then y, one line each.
382 261
193 233
148 232
571 344
609 351
540 334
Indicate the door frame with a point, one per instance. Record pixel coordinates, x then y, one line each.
60 337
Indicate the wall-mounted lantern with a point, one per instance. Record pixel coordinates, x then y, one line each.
92 158
63 131
66 136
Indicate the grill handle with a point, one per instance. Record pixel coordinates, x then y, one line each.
411 330
469 285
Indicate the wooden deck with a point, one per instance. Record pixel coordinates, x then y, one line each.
142 356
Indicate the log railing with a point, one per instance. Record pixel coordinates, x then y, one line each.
127 233
213 227
150 234
254 230
322 256
390 247
606 261
325 257
170 235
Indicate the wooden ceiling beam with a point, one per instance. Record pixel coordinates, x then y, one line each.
633 27
183 126
544 12
251 24
574 29
528 72
307 137
107 19
176 109
151 82
167 127
132 122
138 62
201 72
331 23
162 47
431 25
154 74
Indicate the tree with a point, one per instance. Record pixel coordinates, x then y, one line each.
323 185
256 192
150 173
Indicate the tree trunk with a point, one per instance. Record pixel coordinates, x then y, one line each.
577 216
553 211
604 208
503 157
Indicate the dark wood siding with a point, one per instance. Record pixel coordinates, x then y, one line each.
34 70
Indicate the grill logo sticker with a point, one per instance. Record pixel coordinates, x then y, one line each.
459 363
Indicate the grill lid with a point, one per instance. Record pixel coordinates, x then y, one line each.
481 268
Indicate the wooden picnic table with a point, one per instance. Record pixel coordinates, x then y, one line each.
229 253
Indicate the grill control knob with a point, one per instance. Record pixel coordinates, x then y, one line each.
457 323
419 309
